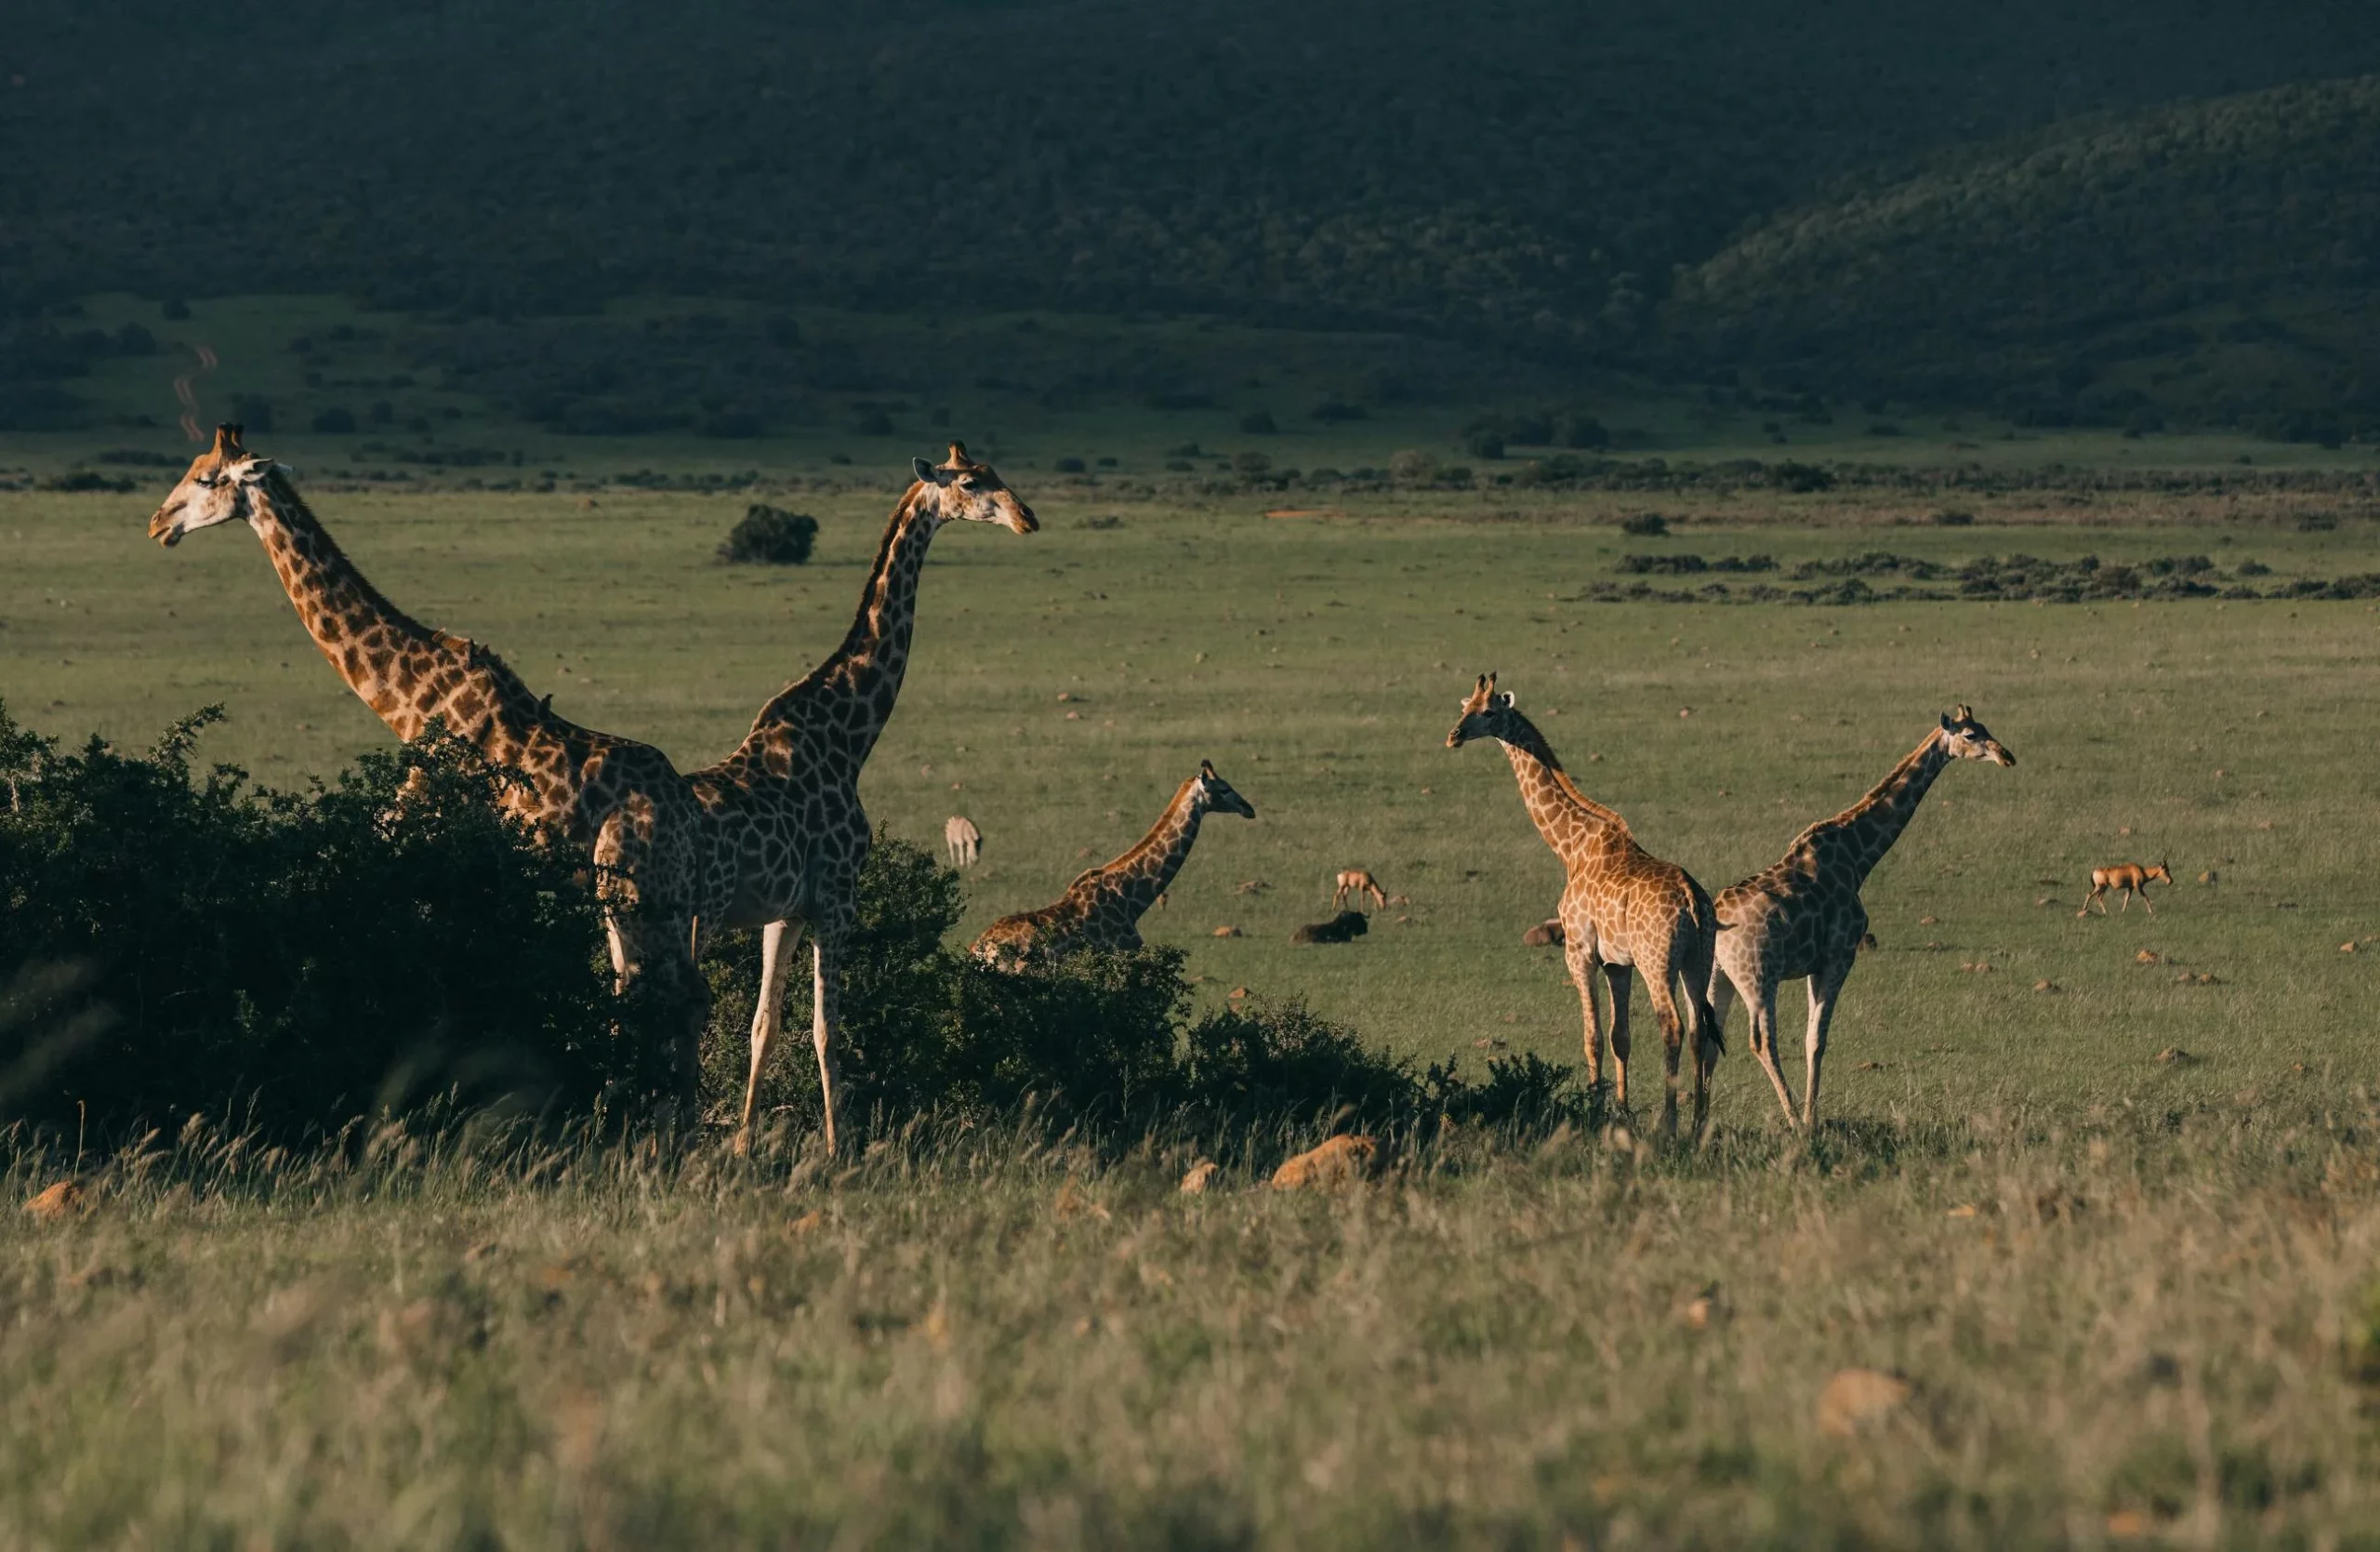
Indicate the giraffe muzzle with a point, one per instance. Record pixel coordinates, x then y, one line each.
164 529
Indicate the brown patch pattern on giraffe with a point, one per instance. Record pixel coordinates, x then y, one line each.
1102 908
1802 918
1623 909
619 800
784 829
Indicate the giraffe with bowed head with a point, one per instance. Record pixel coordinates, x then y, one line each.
1623 909
616 798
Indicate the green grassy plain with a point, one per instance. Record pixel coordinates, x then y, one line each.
2150 1325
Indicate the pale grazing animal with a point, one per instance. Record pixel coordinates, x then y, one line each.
1358 883
2130 877
963 840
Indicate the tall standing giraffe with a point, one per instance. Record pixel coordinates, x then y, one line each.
787 834
1623 909
1803 916
1102 908
619 799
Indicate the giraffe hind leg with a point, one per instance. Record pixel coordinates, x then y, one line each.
1666 1013
1582 976
1620 978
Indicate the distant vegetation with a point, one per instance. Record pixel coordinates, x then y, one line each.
1509 179
770 535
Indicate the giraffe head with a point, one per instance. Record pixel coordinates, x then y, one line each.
1216 794
1969 739
1485 714
220 487
961 490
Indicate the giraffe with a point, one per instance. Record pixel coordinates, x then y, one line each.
619 800
1102 908
1802 917
785 830
1360 884
1623 909
962 840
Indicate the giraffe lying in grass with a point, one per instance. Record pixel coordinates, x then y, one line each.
1623 909
1102 908
1802 917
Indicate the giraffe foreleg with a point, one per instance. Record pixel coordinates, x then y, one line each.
777 943
1576 954
825 1018
1826 985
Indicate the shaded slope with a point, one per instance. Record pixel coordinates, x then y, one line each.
2216 260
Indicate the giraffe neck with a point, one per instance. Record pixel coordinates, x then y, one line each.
1555 805
850 695
406 671
1860 836
1142 874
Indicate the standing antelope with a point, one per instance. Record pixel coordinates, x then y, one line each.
2130 877
1358 883
964 841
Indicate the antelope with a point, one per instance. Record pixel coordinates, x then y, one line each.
1358 883
2130 877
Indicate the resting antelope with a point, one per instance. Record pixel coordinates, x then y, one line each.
2130 877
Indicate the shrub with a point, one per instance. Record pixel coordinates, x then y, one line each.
1258 423
1585 430
1484 444
769 536
335 421
1250 465
1647 525
180 942
1069 465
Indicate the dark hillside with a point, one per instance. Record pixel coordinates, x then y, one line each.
1526 172
2213 262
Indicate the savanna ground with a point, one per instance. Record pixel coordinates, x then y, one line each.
2135 1297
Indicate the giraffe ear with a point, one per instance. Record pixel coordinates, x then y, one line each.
927 473
253 471
1505 700
1207 770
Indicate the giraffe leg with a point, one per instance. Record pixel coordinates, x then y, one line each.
827 986
1575 955
1620 977
1761 1005
1826 985
1665 1014
778 940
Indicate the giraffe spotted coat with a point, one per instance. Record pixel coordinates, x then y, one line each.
1102 908
1802 917
619 800
1623 909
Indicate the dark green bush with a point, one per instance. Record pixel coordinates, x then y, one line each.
769 536
181 942
1099 1037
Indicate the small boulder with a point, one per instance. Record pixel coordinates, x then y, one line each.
63 1200
1545 935
1340 1161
